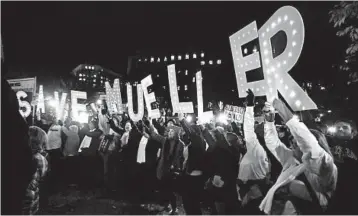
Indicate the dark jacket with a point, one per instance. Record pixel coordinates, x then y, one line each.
196 157
171 157
95 142
17 166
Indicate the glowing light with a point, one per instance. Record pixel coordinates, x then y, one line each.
293 43
60 105
265 43
294 31
76 108
172 58
186 72
298 103
140 113
211 62
285 18
149 98
279 20
41 100
82 117
218 61
291 22
286 87
158 60
273 25
165 59
332 129
267 29
178 107
202 55
151 59
189 118
267 61
52 103
202 62
292 94
329 111
245 51
179 57
266 52
194 55
269 81
290 54
114 97
222 118
23 104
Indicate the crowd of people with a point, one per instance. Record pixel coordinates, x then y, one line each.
254 168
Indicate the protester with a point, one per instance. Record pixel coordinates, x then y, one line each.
70 151
193 166
17 167
309 173
92 166
345 151
254 167
169 163
38 140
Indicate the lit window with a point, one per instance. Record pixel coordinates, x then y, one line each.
178 88
163 87
165 59
210 62
186 72
186 56
84 79
172 58
80 79
202 63
193 79
186 87
219 61
94 80
202 55
157 75
95 75
179 57
151 59
194 55
158 60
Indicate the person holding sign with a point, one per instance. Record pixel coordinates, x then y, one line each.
309 174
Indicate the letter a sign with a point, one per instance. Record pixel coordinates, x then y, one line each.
276 77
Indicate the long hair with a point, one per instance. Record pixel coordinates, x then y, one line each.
322 141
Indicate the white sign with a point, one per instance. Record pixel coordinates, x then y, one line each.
276 77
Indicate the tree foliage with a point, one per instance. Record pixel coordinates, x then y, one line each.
344 17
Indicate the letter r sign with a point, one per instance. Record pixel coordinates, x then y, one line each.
276 77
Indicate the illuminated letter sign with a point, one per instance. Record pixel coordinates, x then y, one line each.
114 97
149 98
276 77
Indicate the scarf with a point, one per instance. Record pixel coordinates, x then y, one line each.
141 150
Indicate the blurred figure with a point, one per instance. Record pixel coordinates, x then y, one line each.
17 166
70 151
38 140
344 148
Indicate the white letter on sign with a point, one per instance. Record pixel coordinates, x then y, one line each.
135 117
247 63
76 107
149 98
184 107
114 97
288 20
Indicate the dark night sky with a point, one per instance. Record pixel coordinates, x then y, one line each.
57 36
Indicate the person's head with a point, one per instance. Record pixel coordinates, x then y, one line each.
171 133
128 126
38 139
59 122
170 123
74 128
93 125
184 137
346 130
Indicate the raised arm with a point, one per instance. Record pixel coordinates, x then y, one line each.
249 129
65 130
155 136
96 133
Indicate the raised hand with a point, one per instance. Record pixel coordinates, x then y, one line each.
282 110
269 112
250 98
180 116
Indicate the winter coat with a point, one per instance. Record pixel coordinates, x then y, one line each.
72 143
31 202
